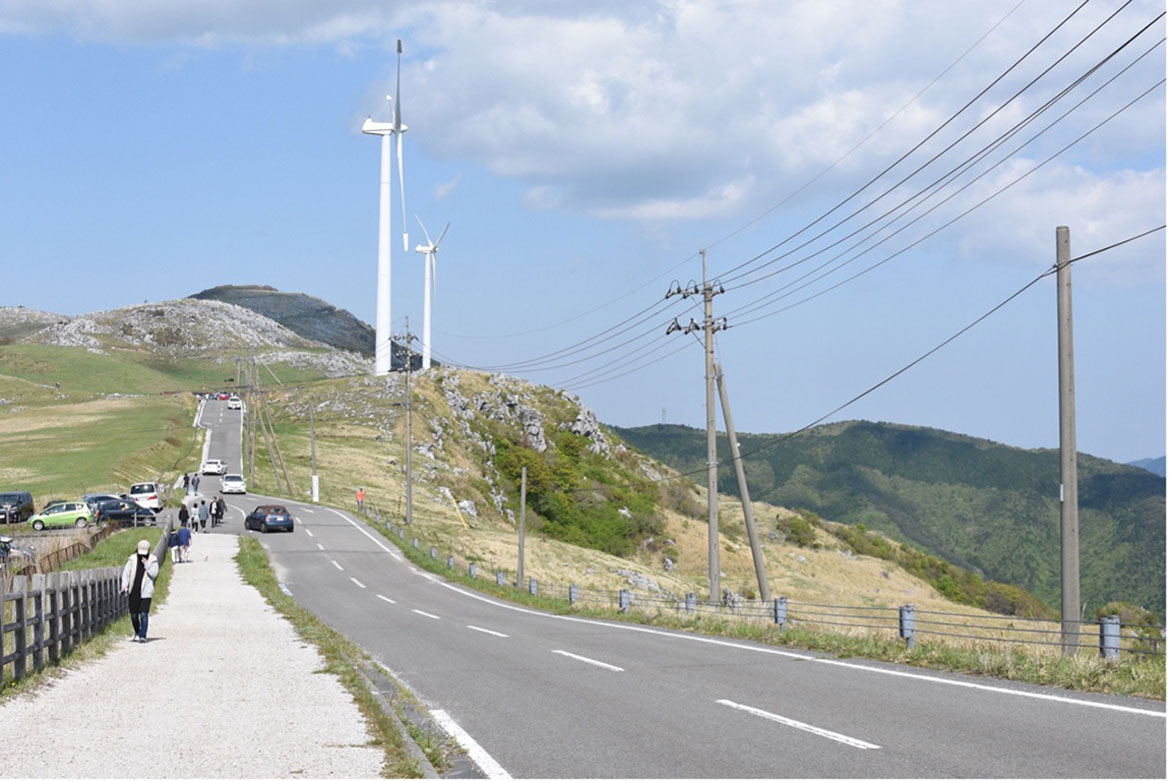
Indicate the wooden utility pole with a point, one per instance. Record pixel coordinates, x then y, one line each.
409 439
523 508
1070 554
744 497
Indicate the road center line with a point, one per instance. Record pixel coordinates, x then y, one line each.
335 564
373 539
308 532
489 766
358 583
824 733
386 599
587 660
320 546
486 631
421 613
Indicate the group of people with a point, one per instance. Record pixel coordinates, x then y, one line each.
190 483
201 513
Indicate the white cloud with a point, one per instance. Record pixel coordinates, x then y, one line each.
444 189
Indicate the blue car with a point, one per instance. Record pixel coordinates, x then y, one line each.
269 517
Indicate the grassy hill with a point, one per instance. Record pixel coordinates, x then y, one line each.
987 507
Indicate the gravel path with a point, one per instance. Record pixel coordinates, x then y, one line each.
224 688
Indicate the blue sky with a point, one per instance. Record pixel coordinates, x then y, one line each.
583 153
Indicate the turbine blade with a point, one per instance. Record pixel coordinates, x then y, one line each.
424 230
441 235
398 87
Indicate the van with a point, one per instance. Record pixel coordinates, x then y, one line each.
147 495
16 506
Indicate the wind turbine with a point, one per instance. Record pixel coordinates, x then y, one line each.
428 250
382 344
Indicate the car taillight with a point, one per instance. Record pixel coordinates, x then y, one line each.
152 498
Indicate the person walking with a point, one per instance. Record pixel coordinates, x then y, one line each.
186 483
217 508
204 512
361 498
195 483
138 582
184 515
173 545
184 544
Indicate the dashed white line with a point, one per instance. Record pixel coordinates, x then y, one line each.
386 599
587 660
824 733
358 583
486 631
422 613
320 546
308 532
489 766
305 509
335 564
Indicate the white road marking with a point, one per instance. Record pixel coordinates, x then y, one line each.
335 564
305 509
421 613
824 733
284 588
363 531
489 766
486 631
358 583
807 658
386 599
308 532
320 546
587 660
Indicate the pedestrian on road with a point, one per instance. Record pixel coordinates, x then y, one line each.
184 515
217 510
361 498
173 544
195 483
203 513
186 483
184 544
138 581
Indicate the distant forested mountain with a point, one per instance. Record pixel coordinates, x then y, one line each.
982 505
1155 465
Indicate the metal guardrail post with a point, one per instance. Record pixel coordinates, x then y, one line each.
532 586
499 577
471 570
780 611
906 624
624 601
691 602
401 533
450 561
1110 645
434 552
573 593
414 542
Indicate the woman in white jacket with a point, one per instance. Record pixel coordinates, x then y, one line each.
138 581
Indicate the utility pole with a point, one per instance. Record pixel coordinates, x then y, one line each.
1070 554
409 440
744 498
709 327
523 507
252 421
313 456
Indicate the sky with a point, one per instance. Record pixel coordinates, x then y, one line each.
584 152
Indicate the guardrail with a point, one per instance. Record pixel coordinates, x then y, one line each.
1109 638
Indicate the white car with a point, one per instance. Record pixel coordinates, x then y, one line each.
234 403
147 495
233 484
213 466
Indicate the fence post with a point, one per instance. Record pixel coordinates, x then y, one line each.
19 637
414 542
691 602
532 586
53 585
471 570
38 586
499 577
401 533
1110 645
450 561
434 553
2 603
573 594
780 611
624 601
906 624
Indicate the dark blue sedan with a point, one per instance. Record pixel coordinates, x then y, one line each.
269 517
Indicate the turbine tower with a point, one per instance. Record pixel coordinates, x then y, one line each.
382 343
429 249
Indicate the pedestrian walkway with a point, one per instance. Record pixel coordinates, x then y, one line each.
223 688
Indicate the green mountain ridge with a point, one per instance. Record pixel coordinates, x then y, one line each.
984 506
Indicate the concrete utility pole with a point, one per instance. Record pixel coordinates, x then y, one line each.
523 508
709 327
744 498
313 456
409 439
1070 553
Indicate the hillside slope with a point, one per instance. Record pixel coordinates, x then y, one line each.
984 506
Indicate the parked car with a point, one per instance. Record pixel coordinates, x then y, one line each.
233 484
234 403
267 517
213 466
93 499
16 506
124 511
66 513
147 495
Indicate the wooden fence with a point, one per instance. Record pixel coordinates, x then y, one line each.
52 613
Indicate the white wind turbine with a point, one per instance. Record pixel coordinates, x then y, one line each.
382 345
428 250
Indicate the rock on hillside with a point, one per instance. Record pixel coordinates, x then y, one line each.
303 314
17 321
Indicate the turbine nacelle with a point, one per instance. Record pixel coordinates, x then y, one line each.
377 128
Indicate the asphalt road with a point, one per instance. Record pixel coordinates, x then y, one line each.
535 695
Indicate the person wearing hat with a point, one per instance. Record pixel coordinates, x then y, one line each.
138 582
